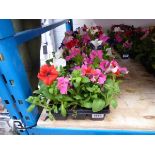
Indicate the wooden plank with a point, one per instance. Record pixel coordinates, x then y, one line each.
136 109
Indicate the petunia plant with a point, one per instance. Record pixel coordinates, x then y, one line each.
82 74
121 37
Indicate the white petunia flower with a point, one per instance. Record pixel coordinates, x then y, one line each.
96 43
58 54
109 52
59 62
93 31
111 69
118 29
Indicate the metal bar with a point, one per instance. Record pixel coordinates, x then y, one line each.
27 35
77 131
5 32
69 25
16 78
8 102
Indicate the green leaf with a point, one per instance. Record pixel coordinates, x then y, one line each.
87 104
63 110
59 97
107 86
51 117
37 92
30 99
98 105
31 107
75 85
71 91
51 91
76 73
77 97
90 89
85 80
96 62
78 79
55 109
94 96
47 94
67 98
85 95
114 103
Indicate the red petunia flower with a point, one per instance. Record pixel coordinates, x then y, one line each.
47 74
117 73
87 70
72 43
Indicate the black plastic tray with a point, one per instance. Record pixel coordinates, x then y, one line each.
82 114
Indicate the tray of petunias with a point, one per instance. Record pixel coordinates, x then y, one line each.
121 39
81 80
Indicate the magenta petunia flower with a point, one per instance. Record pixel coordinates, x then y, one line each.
103 37
102 79
62 84
87 61
76 68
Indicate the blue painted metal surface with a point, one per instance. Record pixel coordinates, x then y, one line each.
79 131
8 102
69 25
4 31
17 82
24 36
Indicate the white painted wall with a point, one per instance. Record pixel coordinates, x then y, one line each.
106 23
59 33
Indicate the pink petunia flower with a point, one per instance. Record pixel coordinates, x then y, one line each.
86 39
123 70
98 76
116 69
73 53
146 30
86 70
118 38
113 67
62 84
127 44
96 53
104 64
